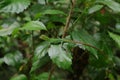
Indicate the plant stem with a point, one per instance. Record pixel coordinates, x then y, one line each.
68 18
70 41
32 43
77 42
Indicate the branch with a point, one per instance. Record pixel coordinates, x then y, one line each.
68 18
69 41
77 42
32 42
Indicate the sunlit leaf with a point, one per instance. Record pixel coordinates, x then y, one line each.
19 77
13 59
18 57
34 25
117 26
15 6
94 8
9 30
60 56
41 1
39 58
115 37
111 4
9 60
41 50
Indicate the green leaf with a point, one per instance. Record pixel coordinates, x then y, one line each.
83 36
39 58
13 59
41 50
105 59
9 30
111 4
15 6
94 8
117 26
19 77
34 25
41 2
18 57
44 76
9 60
44 37
60 57
117 60
39 63
52 12
115 37
1 61
111 76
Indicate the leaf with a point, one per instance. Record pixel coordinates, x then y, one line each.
44 76
52 12
111 76
115 37
105 59
39 63
41 2
13 59
15 6
44 37
94 8
1 61
34 25
60 57
39 58
19 77
117 26
83 36
117 61
111 4
9 60
41 50
9 30
18 57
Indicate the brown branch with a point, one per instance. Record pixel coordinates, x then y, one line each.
67 26
88 45
77 42
68 19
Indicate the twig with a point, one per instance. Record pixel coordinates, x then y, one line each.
32 42
77 42
71 41
68 18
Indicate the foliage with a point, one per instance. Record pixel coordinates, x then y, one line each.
59 39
